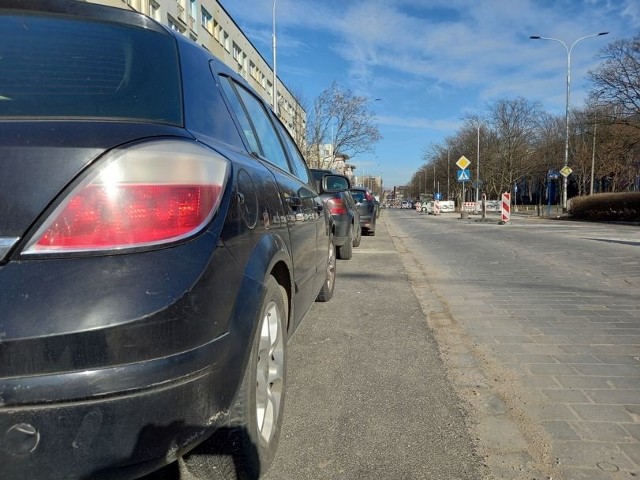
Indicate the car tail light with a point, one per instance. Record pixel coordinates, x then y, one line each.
336 206
147 194
369 197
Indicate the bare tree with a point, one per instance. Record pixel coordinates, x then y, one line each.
617 80
608 148
515 124
343 120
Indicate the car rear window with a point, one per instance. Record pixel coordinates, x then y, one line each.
358 195
58 67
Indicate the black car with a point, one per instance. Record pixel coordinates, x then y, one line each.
343 209
161 237
367 208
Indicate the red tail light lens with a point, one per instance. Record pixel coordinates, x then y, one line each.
369 197
336 206
149 194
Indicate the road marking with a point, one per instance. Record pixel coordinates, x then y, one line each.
386 252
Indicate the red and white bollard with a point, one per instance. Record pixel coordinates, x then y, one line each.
506 207
436 207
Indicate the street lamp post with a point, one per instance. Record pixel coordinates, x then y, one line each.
478 166
434 179
566 120
593 154
448 160
274 91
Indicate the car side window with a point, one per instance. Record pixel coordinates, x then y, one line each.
296 157
241 115
266 137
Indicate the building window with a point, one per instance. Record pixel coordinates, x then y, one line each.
216 31
154 10
174 25
207 20
226 43
193 14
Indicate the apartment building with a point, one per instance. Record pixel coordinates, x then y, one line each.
207 23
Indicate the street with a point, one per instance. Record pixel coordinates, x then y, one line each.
460 349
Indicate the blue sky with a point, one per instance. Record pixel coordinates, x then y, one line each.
433 61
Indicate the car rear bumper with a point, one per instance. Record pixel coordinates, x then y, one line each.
367 221
120 373
341 233
147 423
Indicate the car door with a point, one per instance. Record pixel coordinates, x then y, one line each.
323 218
297 197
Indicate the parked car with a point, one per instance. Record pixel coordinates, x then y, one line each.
161 238
367 208
342 207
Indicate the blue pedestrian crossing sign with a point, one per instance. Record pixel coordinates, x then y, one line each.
464 175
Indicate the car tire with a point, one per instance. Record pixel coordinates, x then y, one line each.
345 252
326 292
372 231
246 446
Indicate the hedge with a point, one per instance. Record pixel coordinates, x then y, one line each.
606 207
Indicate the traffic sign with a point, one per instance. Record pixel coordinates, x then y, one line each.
464 175
463 162
566 171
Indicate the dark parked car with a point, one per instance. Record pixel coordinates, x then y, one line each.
160 239
343 210
367 208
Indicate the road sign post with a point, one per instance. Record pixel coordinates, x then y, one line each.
463 176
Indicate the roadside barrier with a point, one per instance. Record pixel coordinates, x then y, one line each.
436 207
506 207
469 206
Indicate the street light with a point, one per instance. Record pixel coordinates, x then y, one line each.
274 92
478 166
566 120
593 152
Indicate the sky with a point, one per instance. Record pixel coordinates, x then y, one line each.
433 63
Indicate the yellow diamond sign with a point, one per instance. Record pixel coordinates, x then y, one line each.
463 162
566 171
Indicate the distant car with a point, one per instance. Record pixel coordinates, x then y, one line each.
334 190
161 238
367 208
405 204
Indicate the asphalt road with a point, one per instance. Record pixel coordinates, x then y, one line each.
459 349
